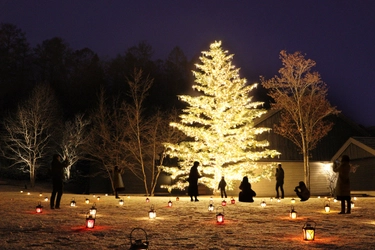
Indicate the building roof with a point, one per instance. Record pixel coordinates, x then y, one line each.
357 148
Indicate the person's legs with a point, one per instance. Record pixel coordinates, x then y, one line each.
277 190
349 205
225 193
52 199
282 191
222 193
342 206
59 194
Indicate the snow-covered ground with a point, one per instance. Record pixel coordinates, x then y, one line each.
185 225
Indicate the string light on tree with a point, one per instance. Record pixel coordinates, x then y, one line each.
220 124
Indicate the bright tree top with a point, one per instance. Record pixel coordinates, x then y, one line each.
219 121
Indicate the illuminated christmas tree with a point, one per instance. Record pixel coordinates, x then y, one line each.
219 121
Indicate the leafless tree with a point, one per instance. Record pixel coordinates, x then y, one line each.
29 131
108 133
74 141
301 96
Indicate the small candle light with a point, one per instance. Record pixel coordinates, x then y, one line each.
327 208
232 201
46 199
147 200
220 215
309 231
93 210
40 194
87 201
121 202
293 213
293 201
90 220
98 198
73 202
352 204
211 206
39 208
263 203
169 203
177 198
152 212
224 203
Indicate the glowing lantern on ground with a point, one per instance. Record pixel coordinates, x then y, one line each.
87 201
93 210
263 204
293 200
98 198
335 200
40 194
232 201
271 199
278 200
211 199
220 216
138 243
147 200
152 213
355 198
352 204
169 203
121 202
223 203
90 221
327 208
39 208
73 202
293 213
309 230
211 206
46 199
177 198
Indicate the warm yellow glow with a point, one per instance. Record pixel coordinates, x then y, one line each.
219 123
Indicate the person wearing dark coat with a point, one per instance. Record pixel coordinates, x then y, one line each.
246 194
279 181
117 181
342 190
221 187
58 175
302 191
193 182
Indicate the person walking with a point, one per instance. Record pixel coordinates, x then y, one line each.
193 182
279 181
57 169
246 194
117 181
342 190
221 187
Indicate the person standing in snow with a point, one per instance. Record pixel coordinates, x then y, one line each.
58 175
193 182
279 181
221 187
342 190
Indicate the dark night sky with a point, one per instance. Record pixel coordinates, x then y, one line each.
339 35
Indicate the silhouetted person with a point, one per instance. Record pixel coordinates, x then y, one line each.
302 191
342 190
222 185
57 170
279 181
117 181
193 182
246 194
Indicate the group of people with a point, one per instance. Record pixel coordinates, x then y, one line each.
246 194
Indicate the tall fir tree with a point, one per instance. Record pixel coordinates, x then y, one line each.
219 122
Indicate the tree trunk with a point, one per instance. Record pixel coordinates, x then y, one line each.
32 177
